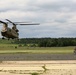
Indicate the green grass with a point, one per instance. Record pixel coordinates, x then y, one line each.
10 48
34 74
37 51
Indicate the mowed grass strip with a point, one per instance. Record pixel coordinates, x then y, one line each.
5 49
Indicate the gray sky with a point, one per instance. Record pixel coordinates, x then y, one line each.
57 18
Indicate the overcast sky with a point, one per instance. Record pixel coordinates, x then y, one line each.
57 18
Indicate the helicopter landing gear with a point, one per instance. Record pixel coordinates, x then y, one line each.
12 38
8 38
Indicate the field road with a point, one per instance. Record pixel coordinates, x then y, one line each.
29 56
58 67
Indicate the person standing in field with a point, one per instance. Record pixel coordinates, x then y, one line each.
75 50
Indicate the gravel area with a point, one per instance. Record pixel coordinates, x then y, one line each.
22 57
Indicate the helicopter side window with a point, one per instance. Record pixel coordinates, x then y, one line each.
9 29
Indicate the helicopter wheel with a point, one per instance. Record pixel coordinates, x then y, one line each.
3 38
12 38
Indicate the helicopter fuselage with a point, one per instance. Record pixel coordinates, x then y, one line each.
9 33
12 32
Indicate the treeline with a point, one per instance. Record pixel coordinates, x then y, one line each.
47 42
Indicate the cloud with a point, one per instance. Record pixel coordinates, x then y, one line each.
57 18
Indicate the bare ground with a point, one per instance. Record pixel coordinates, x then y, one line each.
42 64
59 67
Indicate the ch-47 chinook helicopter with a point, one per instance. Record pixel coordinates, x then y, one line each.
13 32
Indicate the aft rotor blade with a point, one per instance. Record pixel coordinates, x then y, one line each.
29 24
22 23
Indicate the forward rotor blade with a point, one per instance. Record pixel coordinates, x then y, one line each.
3 22
10 22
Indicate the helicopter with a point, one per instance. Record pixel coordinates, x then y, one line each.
12 33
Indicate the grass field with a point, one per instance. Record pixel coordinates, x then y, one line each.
14 48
